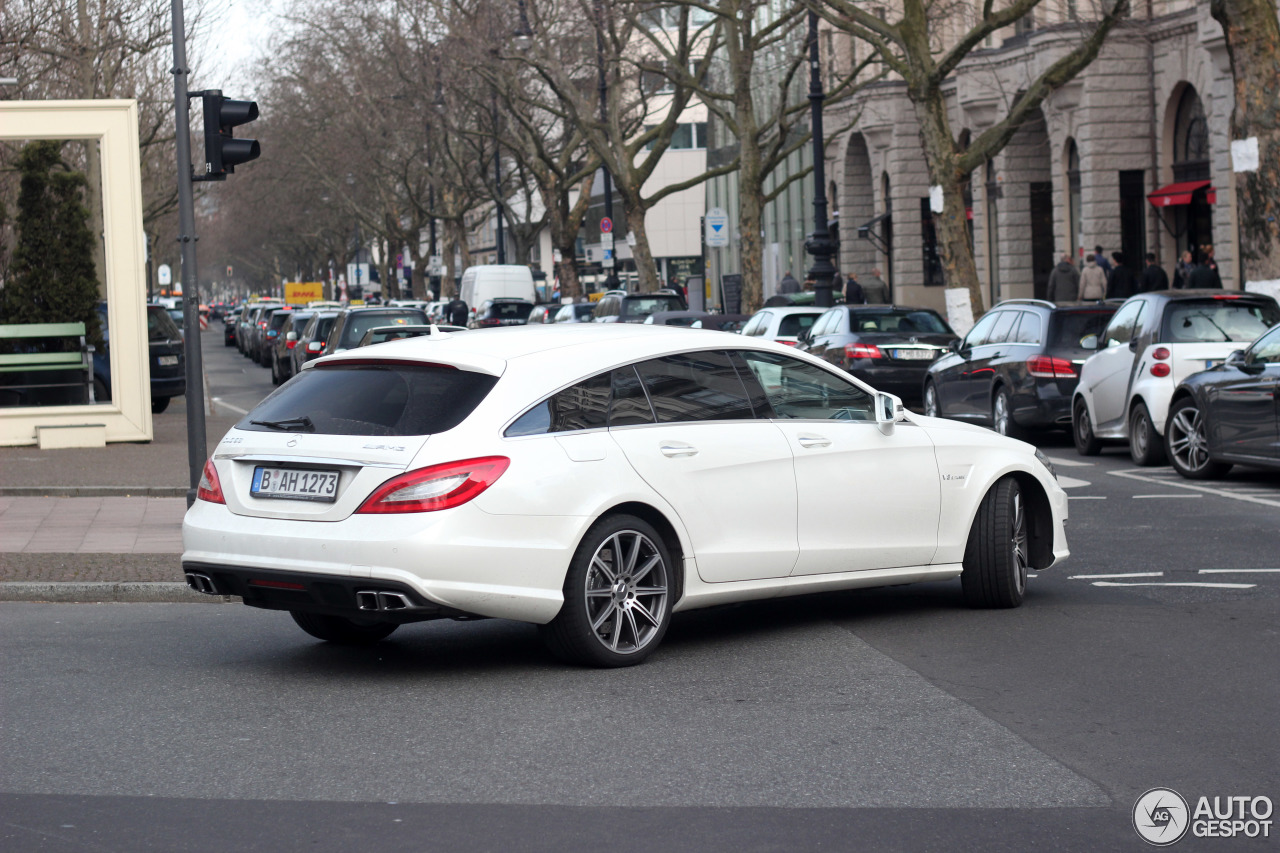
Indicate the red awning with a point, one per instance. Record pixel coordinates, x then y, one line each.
1176 194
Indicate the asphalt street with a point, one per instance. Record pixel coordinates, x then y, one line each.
891 719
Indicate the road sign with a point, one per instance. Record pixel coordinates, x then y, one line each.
606 225
437 264
607 262
165 275
606 240
717 228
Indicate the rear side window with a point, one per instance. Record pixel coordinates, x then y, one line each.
1028 331
1004 325
614 398
358 324
1209 320
278 318
323 326
386 399
697 386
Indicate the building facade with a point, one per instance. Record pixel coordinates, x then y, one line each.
1133 155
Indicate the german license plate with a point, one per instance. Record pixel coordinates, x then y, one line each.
295 484
167 360
913 354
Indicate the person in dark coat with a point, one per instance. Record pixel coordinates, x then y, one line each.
788 284
1153 276
1101 259
1064 282
874 290
1120 284
1182 272
458 312
853 294
1205 276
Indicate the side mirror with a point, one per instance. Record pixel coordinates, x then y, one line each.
1236 359
291 337
1133 344
889 411
1089 342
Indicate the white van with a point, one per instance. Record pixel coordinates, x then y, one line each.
490 281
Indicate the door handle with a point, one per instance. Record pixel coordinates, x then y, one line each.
813 441
677 448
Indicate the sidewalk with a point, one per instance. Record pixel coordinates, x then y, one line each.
101 524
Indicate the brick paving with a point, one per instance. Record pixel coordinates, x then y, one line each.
107 525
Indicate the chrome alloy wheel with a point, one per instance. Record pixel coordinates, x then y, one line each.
626 591
1187 441
1000 414
931 401
1019 542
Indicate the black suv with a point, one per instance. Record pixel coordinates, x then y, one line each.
351 324
1018 366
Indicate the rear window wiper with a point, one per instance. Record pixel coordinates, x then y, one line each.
289 424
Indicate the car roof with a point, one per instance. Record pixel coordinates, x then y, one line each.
793 309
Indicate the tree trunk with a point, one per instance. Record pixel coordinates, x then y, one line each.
646 270
750 214
951 225
1253 43
418 281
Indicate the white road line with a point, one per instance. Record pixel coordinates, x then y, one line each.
1239 571
1183 583
1121 575
1071 482
1206 489
218 400
1070 463
1086 497
1187 497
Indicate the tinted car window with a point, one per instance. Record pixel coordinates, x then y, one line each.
1069 328
630 405
978 334
278 318
826 323
510 310
643 306
614 398
371 399
699 386
1004 325
794 324
797 389
359 323
1267 349
908 322
1217 320
160 327
1028 331
758 324
1120 329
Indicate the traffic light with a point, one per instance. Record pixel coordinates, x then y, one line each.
222 152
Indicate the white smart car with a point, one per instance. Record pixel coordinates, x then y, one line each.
1153 342
594 480
782 324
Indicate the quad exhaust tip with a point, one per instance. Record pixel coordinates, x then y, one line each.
201 583
376 599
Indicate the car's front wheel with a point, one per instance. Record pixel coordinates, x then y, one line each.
1145 445
159 404
1186 442
1087 444
336 629
996 555
617 596
931 407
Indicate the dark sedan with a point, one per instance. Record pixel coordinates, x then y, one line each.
887 346
1018 366
350 325
1228 415
167 364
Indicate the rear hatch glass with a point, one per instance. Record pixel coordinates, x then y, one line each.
378 399
510 310
1068 328
793 324
360 323
1217 320
643 306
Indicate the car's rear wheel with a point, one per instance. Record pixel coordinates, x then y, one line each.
931 407
996 555
617 596
336 629
1145 445
275 370
1186 442
1002 415
1087 444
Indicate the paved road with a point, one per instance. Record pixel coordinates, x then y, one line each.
883 720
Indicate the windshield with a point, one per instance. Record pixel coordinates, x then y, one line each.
643 306
1215 319
909 322
160 326
360 323
371 399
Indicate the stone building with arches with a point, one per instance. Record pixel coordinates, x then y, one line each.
1133 155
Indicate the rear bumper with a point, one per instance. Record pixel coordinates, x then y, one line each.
905 382
1046 405
168 387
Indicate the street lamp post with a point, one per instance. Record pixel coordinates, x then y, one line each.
497 182
611 280
819 243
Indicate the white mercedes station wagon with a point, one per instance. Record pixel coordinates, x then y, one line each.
594 480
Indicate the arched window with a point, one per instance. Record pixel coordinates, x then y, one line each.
1075 198
1190 139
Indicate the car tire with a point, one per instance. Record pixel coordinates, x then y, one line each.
1186 443
611 617
1146 448
228 342
1087 444
159 404
931 407
337 629
1002 415
275 370
996 555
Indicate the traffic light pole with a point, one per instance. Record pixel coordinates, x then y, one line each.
197 445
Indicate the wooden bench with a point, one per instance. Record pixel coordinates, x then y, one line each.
40 362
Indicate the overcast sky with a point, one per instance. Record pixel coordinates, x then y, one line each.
242 34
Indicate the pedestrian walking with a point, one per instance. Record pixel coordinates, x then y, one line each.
788 284
1064 281
874 290
1102 262
1153 276
853 293
1205 275
1093 281
1182 273
457 313
1121 283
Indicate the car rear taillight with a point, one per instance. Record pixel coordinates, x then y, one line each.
489 321
210 488
290 344
1048 367
1160 353
262 325
1227 296
315 346
789 343
1161 369
438 487
862 351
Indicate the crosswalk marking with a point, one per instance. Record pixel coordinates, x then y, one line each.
1238 571
1070 463
1120 575
1179 583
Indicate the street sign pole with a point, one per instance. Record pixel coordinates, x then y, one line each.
197 445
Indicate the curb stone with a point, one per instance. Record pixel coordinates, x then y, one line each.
94 593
